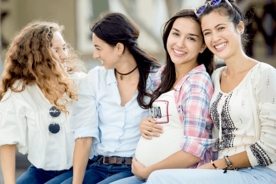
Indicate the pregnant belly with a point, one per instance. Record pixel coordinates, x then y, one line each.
149 152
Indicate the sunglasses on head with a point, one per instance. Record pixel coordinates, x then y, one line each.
54 127
212 3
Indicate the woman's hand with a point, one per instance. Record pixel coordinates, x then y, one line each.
149 128
139 170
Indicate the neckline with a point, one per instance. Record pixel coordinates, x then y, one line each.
242 81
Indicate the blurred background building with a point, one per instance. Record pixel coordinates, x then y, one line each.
149 15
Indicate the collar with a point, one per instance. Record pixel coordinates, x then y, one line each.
110 76
199 69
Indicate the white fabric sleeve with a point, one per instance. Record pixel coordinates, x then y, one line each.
263 151
84 119
13 122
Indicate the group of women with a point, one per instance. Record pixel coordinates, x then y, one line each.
132 121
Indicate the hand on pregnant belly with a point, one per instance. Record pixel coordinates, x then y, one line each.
139 170
149 128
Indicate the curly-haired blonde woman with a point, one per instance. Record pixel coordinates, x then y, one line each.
36 94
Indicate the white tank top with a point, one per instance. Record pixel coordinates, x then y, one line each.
164 111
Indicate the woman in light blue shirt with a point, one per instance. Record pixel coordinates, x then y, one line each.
113 99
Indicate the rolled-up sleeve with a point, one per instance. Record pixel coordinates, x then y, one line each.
196 95
157 78
84 119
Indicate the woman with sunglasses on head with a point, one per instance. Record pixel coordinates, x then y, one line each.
242 107
113 99
36 95
180 104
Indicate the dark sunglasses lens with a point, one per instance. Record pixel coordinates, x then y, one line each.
54 128
54 112
200 9
215 2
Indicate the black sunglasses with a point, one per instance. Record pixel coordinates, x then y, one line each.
54 127
212 3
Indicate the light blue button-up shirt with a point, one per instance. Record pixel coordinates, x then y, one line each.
98 114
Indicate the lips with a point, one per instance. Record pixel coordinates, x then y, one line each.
178 52
220 46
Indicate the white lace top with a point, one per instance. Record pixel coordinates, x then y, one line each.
245 118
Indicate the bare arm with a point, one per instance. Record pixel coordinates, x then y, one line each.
149 128
81 156
8 163
239 160
179 159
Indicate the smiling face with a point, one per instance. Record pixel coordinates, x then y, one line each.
185 42
220 34
59 45
107 54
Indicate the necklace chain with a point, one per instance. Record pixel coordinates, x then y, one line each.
121 74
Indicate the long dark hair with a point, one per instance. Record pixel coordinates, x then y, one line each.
168 75
116 28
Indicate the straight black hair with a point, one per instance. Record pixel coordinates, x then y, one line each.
116 28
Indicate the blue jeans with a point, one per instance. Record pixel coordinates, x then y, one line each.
40 176
129 180
256 175
97 172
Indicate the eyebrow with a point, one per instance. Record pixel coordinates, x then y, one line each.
191 34
215 27
56 46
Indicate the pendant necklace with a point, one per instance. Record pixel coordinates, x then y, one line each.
121 74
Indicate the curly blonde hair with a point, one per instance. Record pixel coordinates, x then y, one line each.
31 60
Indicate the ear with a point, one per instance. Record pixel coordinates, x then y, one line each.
240 27
120 48
203 47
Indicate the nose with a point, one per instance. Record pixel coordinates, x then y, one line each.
215 37
180 42
63 55
95 55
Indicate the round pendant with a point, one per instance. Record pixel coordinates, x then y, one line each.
54 128
54 112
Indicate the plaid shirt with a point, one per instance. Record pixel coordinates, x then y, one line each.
192 97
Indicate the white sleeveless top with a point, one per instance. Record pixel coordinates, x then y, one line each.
149 152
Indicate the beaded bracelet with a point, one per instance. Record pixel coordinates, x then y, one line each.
228 162
213 164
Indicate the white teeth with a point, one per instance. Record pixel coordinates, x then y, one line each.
178 52
220 45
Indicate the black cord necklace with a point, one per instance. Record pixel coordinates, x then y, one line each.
121 74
